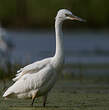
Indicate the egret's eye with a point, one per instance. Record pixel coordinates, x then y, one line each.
68 15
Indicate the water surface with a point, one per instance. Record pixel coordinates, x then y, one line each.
80 46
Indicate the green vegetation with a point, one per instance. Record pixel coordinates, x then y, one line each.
66 95
40 13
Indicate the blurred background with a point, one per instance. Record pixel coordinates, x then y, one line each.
27 35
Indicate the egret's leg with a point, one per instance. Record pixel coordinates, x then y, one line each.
33 98
44 100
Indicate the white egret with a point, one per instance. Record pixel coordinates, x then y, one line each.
6 46
38 78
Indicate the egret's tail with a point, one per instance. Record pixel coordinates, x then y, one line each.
7 93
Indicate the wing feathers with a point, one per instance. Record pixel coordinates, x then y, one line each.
32 68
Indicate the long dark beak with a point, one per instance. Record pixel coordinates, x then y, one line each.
77 18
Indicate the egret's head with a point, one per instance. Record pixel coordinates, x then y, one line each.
65 14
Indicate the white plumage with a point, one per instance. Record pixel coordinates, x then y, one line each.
32 68
38 78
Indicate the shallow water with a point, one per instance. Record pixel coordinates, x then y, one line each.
66 95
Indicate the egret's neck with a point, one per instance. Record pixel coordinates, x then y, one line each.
59 54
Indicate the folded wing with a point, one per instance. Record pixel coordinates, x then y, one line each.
32 68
